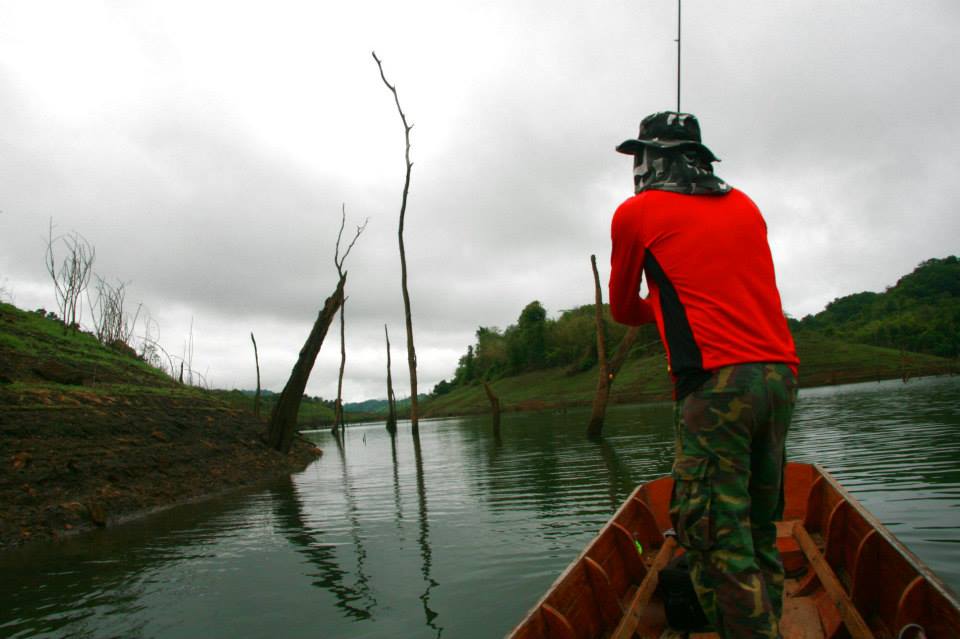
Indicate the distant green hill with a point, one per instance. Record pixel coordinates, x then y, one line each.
910 329
920 313
379 405
824 361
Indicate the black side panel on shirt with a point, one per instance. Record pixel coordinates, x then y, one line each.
686 361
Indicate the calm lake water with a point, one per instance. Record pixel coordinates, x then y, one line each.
457 536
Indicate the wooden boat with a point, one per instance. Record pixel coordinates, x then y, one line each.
847 575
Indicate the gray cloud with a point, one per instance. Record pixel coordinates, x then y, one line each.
211 174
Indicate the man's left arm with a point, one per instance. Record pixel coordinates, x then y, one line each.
626 269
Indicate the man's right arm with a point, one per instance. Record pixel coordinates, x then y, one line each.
626 268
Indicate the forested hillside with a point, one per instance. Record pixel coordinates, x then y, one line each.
537 342
920 313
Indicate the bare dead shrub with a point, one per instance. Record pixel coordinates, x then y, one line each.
72 275
111 322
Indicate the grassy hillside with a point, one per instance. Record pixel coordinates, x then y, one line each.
91 434
823 361
35 350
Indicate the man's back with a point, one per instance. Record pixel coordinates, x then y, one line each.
712 286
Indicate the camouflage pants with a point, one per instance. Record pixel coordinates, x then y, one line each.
728 492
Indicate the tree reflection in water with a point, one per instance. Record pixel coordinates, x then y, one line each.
356 601
423 538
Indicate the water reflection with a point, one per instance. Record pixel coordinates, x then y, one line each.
424 537
621 480
395 536
354 601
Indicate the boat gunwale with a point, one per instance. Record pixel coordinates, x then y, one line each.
575 563
920 568
915 562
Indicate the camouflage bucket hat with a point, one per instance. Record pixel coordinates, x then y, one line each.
667 130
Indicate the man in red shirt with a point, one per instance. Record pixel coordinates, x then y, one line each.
713 295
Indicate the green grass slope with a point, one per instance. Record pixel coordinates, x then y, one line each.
90 435
823 361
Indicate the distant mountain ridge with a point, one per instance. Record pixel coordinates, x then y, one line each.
379 405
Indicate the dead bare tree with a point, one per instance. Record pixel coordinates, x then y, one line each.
256 359
338 262
494 408
71 277
150 348
111 322
411 351
608 369
283 418
188 357
391 398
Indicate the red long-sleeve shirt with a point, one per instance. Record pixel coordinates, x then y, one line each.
713 293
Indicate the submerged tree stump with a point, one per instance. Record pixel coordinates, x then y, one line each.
494 408
391 398
256 359
608 369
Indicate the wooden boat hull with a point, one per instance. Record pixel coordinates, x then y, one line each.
848 576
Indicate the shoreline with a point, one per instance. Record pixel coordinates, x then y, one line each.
627 397
123 518
72 467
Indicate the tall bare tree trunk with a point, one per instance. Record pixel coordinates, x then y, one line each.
283 419
256 359
411 351
608 369
338 262
494 408
391 398
338 406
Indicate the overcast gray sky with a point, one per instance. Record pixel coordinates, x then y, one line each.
205 149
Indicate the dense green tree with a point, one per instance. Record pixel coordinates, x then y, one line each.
466 368
526 340
536 341
491 353
442 387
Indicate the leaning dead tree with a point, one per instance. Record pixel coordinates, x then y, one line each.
338 262
256 359
283 419
411 352
494 408
72 275
608 368
391 398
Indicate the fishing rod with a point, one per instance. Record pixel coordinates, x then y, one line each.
678 55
